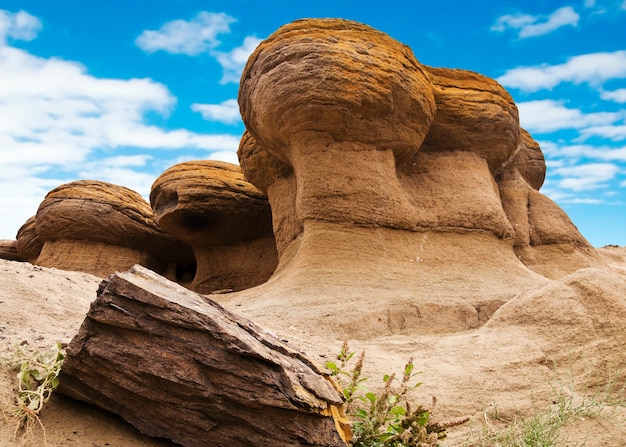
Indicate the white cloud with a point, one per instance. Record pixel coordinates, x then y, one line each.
55 110
586 176
531 26
226 112
573 153
590 3
614 133
593 68
187 37
545 116
235 60
57 121
20 26
623 5
198 36
618 95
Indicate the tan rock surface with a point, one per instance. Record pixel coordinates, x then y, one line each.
277 180
545 238
224 218
99 228
567 334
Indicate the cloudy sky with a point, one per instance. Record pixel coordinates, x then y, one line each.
121 90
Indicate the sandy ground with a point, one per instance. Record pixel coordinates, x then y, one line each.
559 337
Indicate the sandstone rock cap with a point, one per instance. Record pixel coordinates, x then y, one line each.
259 166
475 114
212 199
102 212
339 77
8 250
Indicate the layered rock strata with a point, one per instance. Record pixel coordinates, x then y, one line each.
545 239
225 219
99 228
382 176
28 243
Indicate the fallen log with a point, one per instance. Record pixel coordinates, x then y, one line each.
177 365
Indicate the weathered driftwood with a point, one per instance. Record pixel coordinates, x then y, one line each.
177 365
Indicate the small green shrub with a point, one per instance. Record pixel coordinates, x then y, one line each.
37 378
386 419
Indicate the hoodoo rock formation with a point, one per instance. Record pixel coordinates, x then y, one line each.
378 200
223 217
383 184
341 104
382 176
99 228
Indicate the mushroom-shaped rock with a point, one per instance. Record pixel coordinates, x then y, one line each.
224 218
276 179
545 238
336 112
340 103
99 228
28 243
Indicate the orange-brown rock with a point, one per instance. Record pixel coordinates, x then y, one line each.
449 180
8 250
210 206
28 243
340 103
545 239
417 237
474 114
99 228
179 366
410 220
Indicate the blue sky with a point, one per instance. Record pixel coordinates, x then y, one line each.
121 90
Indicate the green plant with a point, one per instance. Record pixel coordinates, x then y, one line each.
37 378
571 400
386 418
